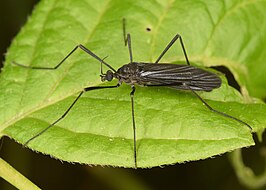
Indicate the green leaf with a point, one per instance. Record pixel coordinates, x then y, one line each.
172 126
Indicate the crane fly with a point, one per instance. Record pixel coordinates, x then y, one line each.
181 77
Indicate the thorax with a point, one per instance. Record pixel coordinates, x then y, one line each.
128 73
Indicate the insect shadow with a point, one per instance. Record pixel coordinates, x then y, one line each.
177 76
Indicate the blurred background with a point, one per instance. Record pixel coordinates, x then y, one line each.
48 173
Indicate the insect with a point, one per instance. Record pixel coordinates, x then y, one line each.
181 77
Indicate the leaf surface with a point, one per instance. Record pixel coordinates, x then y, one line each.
172 126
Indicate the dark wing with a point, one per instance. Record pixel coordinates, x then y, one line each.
177 76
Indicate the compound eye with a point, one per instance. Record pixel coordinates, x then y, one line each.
109 75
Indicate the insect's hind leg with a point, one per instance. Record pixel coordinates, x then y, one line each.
177 36
219 112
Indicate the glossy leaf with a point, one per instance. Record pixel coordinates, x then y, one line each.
172 126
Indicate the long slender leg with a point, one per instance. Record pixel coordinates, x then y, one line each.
177 36
219 112
124 30
208 106
127 40
134 126
69 108
61 62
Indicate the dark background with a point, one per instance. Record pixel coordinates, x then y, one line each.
48 173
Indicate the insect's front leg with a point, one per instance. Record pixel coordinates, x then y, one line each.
68 109
65 58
